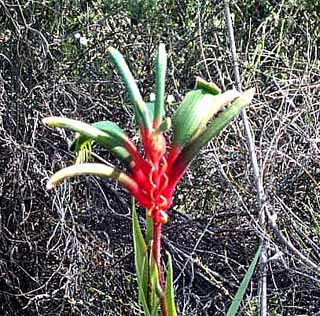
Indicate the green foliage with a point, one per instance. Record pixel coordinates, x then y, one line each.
140 259
142 9
146 268
169 288
203 136
82 143
104 133
195 110
233 309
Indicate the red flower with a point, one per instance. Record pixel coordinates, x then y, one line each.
154 174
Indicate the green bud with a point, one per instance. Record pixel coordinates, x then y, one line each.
217 125
105 133
133 90
196 109
207 86
161 68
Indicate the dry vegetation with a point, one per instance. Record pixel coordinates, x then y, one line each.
69 252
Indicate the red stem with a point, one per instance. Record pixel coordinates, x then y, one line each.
157 257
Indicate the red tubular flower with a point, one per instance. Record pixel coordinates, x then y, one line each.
153 176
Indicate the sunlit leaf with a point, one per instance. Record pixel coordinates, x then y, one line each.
216 126
105 133
196 109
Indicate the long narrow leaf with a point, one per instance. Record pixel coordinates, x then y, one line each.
140 247
142 289
141 260
194 112
169 288
233 309
153 284
149 228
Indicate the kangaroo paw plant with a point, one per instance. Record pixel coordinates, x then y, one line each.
151 176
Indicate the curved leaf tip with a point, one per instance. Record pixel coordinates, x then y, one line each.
50 120
49 186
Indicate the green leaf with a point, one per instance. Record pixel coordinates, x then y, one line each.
155 311
140 247
195 111
149 228
153 284
141 260
121 153
111 129
215 127
161 68
134 92
142 288
169 288
233 309
105 133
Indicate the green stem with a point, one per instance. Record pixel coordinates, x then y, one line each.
157 257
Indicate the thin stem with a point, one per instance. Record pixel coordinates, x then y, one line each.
259 184
157 257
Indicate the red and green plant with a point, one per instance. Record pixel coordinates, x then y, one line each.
151 176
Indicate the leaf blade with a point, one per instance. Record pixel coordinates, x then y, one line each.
196 109
233 309
140 259
169 293
215 127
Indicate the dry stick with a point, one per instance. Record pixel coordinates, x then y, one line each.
312 265
255 167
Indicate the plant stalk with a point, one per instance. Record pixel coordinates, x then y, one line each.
157 257
255 167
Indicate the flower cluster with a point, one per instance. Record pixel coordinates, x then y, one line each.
153 175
